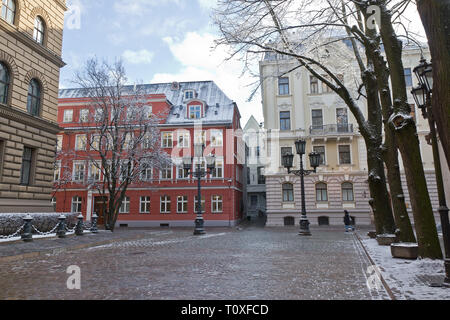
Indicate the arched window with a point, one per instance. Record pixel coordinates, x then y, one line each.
347 192
9 11
321 192
4 83
39 30
288 192
34 98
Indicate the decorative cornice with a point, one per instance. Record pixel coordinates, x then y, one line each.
23 117
14 32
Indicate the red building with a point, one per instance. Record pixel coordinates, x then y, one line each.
195 111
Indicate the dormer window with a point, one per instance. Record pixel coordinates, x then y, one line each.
189 94
195 112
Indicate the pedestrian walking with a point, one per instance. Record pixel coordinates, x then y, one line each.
347 221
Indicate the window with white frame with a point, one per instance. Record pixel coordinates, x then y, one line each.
39 30
57 171
217 138
347 192
148 111
202 164
53 202
126 170
218 170
200 136
84 115
313 85
217 204
181 172
125 207
99 115
95 142
182 204
321 150
321 192
79 168
77 203
196 203
144 205
146 172
94 171
189 94
325 87
184 140
166 173
8 10
80 142
165 204
195 112
167 140
68 116
345 156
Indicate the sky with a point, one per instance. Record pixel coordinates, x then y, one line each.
158 41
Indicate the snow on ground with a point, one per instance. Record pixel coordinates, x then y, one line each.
408 279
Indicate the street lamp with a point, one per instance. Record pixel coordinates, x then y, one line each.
199 173
423 98
287 161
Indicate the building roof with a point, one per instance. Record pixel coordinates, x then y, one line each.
219 109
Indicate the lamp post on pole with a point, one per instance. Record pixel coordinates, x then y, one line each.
288 160
198 172
423 98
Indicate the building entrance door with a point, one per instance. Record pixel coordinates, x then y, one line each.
99 203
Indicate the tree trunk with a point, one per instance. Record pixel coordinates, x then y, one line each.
435 17
409 146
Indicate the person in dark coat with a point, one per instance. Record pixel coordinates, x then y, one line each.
347 221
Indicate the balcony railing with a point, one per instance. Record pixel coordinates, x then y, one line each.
331 129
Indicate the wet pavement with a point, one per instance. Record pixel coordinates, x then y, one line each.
233 264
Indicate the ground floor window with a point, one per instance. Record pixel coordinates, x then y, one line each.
321 192
347 192
288 192
165 204
324 221
125 207
145 205
76 204
289 221
182 204
217 204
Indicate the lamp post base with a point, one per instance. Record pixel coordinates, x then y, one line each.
304 227
199 227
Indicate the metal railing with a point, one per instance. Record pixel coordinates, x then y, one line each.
331 129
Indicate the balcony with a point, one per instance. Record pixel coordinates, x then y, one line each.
331 130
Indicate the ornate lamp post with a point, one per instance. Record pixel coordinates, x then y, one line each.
288 160
198 172
423 98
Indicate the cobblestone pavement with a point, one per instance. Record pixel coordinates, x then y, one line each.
253 263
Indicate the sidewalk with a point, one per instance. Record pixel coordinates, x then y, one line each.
18 250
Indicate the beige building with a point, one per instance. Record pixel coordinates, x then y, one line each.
297 105
31 33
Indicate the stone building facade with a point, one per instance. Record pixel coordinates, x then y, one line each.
297 105
31 35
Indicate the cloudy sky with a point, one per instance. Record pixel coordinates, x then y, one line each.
159 41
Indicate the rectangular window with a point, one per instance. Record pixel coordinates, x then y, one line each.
27 166
2 152
146 172
77 203
286 150
189 94
84 115
217 138
184 140
167 139
313 85
261 177
345 155
125 207
181 173
317 118
218 171
217 204
144 206
94 171
408 77
79 169
148 112
342 120
165 204
166 173
195 112
285 120
182 204
196 204
320 150
68 116
325 87
99 115
80 142
283 86
321 192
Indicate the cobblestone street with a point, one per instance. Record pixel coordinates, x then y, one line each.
253 263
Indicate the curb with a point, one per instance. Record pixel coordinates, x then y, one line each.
385 285
64 249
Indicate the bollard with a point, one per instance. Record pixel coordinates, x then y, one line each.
27 235
94 228
79 227
61 233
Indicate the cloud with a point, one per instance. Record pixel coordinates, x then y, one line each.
141 7
200 62
138 57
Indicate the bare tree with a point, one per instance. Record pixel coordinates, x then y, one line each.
122 134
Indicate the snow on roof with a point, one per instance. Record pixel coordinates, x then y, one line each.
207 91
